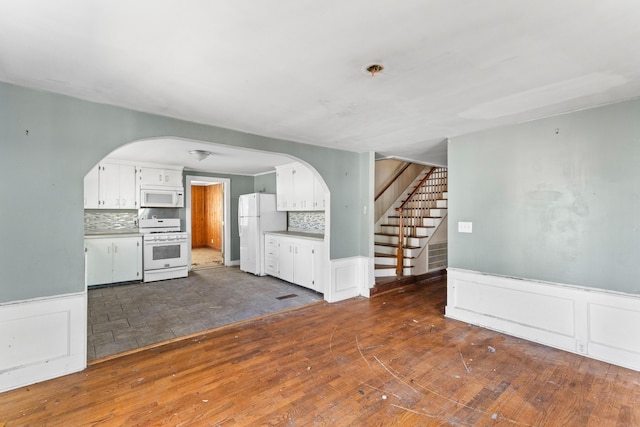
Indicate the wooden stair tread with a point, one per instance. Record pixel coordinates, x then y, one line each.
381 255
396 235
395 246
389 267
422 209
406 226
424 217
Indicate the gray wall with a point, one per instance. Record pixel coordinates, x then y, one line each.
240 184
556 199
41 182
265 183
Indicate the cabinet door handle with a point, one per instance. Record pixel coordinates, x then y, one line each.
160 177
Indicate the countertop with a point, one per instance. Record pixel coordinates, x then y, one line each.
310 236
111 233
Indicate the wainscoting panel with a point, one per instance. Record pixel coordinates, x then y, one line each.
348 278
592 322
42 339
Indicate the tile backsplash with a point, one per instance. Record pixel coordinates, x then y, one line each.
306 222
101 221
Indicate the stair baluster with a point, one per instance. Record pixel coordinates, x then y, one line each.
417 206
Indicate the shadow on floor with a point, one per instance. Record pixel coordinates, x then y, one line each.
127 317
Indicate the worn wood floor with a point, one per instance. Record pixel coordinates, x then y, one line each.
390 360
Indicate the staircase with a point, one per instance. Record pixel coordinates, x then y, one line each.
418 214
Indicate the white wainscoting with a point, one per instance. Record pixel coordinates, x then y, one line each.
593 322
349 278
42 339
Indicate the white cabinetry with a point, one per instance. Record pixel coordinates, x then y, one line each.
113 259
271 255
111 186
284 188
118 186
161 177
297 189
318 195
296 260
92 188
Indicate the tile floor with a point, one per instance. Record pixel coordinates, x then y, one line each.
126 317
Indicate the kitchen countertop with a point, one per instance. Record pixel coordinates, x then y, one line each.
111 233
310 236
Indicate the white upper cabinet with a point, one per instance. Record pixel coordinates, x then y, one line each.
302 188
297 189
117 186
160 177
92 189
284 188
318 196
111 186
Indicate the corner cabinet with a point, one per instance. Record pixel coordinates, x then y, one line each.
112 259
298 260
297 189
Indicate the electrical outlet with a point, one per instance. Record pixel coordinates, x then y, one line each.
581 347
465 227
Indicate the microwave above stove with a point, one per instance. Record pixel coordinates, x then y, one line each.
165 198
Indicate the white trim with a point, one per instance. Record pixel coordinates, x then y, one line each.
592 322
42 339
226 188
349 278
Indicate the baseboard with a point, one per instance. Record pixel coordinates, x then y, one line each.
596 323
349 278
42 339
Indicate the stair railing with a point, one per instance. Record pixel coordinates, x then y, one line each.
416 206
392 180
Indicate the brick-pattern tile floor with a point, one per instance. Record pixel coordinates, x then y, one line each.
126 317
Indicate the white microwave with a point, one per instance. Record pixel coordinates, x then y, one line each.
169 198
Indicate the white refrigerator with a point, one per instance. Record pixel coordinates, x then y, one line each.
256 214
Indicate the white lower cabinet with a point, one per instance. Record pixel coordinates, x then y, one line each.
113 259
296 260
271 255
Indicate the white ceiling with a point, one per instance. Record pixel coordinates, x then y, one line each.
223 158
294 69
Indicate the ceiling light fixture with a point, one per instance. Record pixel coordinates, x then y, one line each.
200 154
374 68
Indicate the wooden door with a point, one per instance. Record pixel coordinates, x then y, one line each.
214 203
198 217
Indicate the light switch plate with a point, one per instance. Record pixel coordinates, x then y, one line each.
465 227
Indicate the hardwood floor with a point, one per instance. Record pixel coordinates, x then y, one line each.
390 360
205 257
